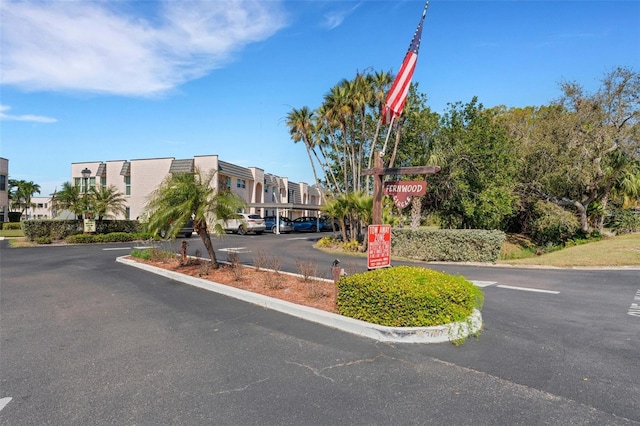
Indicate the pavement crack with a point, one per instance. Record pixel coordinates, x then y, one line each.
241 389
319 371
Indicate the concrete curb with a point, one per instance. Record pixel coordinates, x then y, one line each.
436 334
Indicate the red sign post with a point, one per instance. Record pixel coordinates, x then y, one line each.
379 250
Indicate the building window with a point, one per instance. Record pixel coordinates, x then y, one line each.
241 183
80 182
127 213
103 181
228 183
127 185
3 183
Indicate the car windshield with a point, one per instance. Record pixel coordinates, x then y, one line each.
254 216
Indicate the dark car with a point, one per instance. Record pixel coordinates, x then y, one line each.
285 224
187 231
311 224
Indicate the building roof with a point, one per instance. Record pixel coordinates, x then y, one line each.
126 169
232 170
182 166
102 170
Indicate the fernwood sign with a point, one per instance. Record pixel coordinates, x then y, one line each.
402 191
378 171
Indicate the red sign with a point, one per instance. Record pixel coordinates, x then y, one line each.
379 247
401 191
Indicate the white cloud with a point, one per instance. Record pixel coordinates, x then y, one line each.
112 47
335 18
24 117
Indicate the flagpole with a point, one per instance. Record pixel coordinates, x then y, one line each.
384 147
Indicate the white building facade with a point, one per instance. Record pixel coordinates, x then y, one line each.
265 193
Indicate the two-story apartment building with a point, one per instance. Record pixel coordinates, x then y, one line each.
264 193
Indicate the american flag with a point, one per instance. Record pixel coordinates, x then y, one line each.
398 93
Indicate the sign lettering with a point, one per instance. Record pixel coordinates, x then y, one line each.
379 247
402 191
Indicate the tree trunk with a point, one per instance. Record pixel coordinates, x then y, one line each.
201 229
416 212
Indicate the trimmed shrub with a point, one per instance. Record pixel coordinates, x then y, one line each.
11 226
407 296
447 245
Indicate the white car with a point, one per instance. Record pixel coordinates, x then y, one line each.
243 223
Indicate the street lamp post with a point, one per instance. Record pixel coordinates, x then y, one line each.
89 225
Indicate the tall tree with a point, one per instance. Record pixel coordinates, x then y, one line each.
583 144
21 192
301 128
476 181
191 196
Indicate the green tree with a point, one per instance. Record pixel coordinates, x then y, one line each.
191 196
20 194
475 187
107 201
584 148
70 198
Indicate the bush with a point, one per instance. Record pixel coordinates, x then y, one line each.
43 240
625 222
407 296
447 245
11 226
552 225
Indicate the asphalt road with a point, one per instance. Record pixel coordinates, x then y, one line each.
86 340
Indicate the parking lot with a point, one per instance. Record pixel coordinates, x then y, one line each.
86 340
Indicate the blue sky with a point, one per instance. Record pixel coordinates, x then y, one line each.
118 80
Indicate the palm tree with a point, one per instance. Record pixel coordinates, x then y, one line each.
107 201
190 196
300 123
21 197
71 198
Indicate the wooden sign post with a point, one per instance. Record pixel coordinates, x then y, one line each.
378 171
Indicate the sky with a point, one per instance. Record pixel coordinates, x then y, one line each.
84 81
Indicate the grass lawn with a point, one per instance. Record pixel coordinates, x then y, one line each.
613 251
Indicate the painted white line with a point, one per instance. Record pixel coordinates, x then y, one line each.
483 283
116 248
536 290
4 402
235 249
298 238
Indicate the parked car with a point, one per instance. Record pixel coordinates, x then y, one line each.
187 231
285 224
243 223
309 223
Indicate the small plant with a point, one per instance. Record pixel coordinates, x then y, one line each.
351 245
153 254
236 267
328 242
260 259
204 269
271 278
307 268
43 240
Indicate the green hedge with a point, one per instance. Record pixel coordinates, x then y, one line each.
61 229
447 245
407 296
11 226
